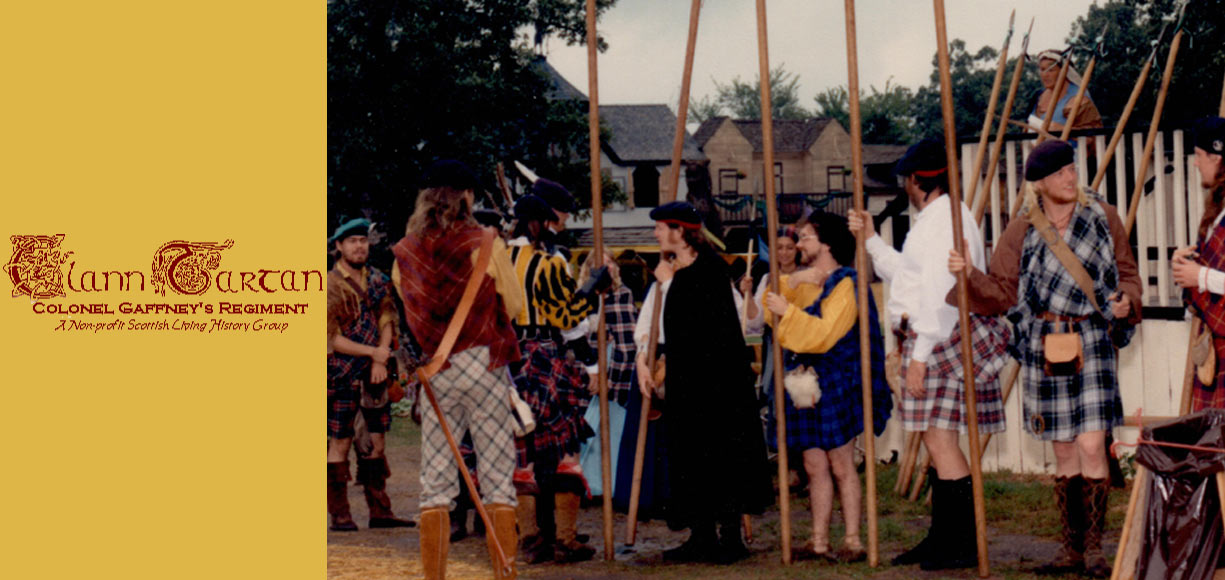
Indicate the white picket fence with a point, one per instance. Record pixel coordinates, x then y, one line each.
1151 368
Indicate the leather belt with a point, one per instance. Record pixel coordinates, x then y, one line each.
1051 317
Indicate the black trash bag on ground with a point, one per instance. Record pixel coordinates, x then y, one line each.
1182 529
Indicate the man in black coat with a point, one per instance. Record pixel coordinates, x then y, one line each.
718 466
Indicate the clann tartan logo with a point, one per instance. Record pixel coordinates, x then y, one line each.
34 267
185 266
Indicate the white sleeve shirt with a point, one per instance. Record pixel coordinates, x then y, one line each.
642 327
919 276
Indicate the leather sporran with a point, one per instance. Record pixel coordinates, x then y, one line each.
1064 352
521 419
1203 356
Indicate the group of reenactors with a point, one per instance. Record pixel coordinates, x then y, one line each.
1062 268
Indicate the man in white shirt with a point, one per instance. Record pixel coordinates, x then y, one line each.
933 399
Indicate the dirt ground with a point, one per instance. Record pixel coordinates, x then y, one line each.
1020 511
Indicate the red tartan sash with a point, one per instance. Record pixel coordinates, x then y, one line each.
433 273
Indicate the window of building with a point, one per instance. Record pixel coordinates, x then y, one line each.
835 178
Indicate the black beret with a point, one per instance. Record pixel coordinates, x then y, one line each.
1210 134
680 213
487 217
1048 157
554 194
449 173
533 208
354 227
927 158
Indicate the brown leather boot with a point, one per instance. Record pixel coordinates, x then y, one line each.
503 518
1069 500
372 475
1097 492
435 539
565 514
338 497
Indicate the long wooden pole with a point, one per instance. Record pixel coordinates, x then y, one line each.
1084 86
1060 85
963 297
861 268
1153 127
597 227
767 147
669 194
1104 163
985 133
1079 99
1017 72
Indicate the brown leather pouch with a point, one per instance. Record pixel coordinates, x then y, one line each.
1064 352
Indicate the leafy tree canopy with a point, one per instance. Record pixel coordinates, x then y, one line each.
886 116
417 80
742 100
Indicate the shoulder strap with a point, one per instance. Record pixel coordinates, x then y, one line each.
465 305
1060 248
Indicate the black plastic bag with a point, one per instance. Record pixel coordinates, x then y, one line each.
1183 536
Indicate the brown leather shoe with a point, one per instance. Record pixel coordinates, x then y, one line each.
1096 494
435 541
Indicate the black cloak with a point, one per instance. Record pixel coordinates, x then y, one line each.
716 447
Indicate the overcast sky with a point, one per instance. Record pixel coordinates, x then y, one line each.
897 39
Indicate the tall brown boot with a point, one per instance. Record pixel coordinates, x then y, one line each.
1097 492
435 539
372 473
1069 500
536 548
338 497
565 514
503 518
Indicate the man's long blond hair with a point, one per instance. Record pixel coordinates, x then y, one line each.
1032 192
439 209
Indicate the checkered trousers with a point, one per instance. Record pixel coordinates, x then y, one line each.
555 387
475 399
943 406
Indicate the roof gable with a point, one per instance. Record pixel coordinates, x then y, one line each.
644 133
790 135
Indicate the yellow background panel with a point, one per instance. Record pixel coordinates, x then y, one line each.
164 454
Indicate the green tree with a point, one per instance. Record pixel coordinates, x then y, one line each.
1195 87
416 80
742 100
886 115
702 109
972 76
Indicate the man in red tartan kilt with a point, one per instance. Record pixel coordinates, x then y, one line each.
1200 269
933 400
361 326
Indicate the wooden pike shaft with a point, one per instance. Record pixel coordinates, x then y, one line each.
682 108
909 456
998 145
631 523
963 297
674 175
861 267
1060 85
767 146
985 133
1104 163
1153 127
597 228
1079 99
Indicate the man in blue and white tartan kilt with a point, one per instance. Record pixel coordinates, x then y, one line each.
1072 409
